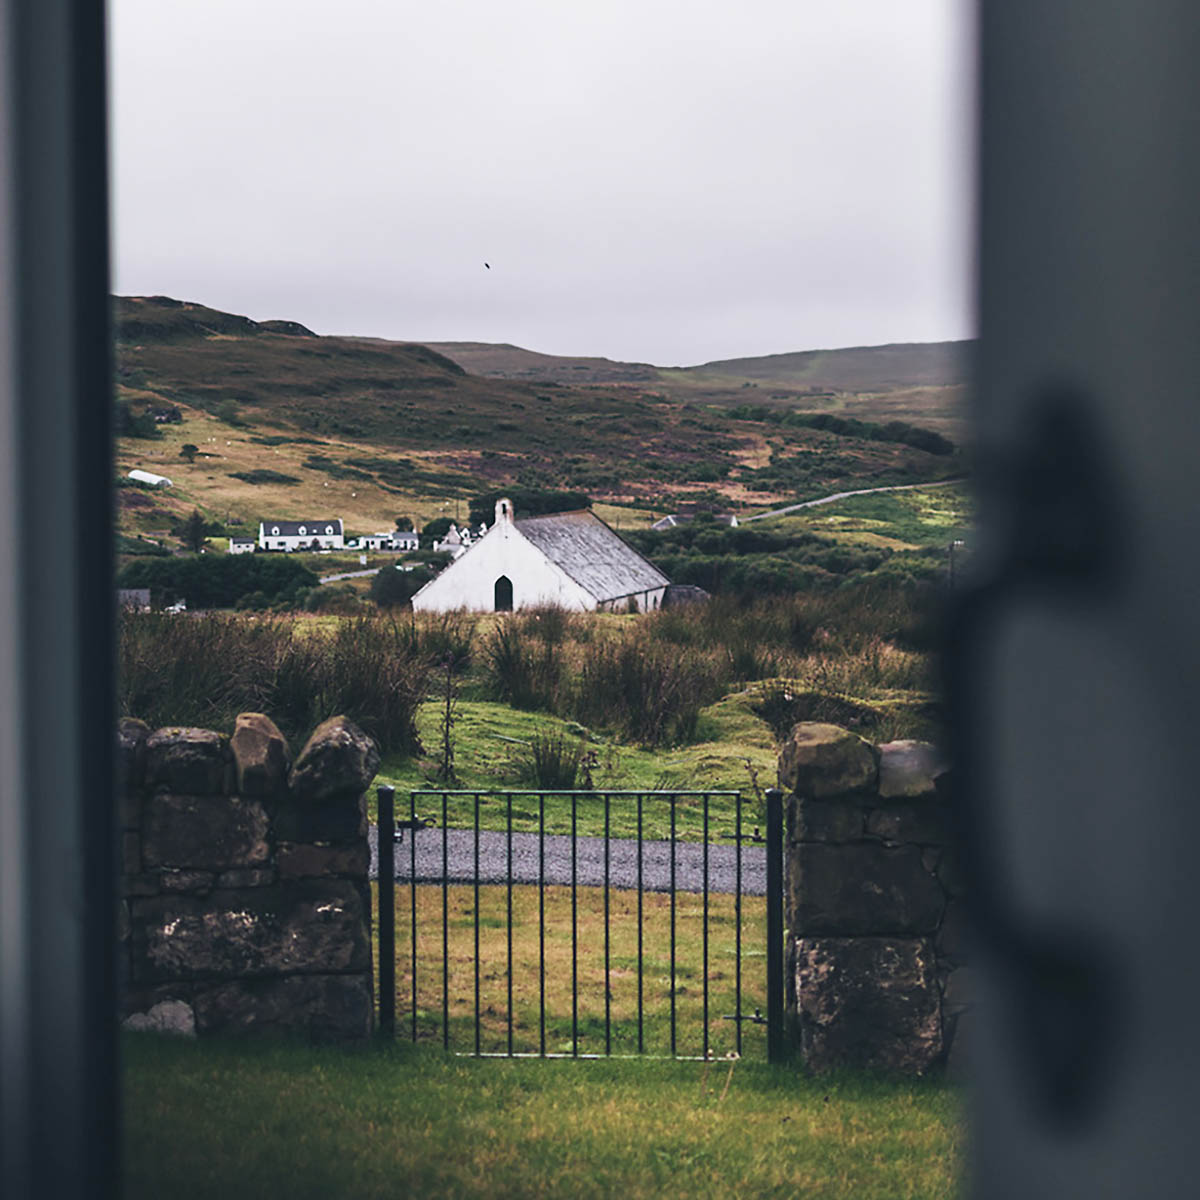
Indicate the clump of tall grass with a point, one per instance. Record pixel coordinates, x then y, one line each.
205 670
442 636
639 688
524 663
650 693
552 761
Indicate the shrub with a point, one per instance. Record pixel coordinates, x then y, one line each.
528 502
218 581
652 694
552 761
333 598
442 636
394 588
205 670
518 670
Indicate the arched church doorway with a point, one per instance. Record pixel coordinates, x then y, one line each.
504 595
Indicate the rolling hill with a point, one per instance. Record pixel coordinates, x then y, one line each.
855 369
286 421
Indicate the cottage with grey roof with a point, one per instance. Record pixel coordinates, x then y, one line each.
569 560
323 534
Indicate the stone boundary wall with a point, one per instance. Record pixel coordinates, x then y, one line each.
876 955
244 901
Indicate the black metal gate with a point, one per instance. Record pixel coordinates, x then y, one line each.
660 882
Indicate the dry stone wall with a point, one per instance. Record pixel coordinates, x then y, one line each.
876 963
245 903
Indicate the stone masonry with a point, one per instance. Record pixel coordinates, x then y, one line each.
874 903
245 905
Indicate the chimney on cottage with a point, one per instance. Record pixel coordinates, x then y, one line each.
504 511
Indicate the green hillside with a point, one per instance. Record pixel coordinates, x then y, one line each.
286 423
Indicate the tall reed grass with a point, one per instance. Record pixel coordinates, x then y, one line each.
647 680
204 670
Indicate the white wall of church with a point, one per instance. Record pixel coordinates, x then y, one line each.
470 581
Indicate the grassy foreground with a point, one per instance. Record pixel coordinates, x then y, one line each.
253 1119
596 1017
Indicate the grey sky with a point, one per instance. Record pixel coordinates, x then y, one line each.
649 179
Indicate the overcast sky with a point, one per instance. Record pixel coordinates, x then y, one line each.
663 180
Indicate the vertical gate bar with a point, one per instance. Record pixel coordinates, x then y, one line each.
541 917
412 891
607 976
704 935
575 929
737 918
775 1040
477 1045
641 1023
673 802
385 856
510 929
445 930
542 920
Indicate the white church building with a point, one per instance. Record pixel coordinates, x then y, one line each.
569 560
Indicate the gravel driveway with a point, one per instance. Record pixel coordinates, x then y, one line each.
656 861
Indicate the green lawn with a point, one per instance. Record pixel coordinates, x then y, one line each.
259 1119
922 517
737 753
581 1021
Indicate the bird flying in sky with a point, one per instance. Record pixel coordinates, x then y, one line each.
488 265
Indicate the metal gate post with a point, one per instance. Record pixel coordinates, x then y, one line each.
776 1043
385 856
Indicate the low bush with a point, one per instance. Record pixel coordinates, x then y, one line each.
217 580
552 761
395 588
205 670
651 694
521 669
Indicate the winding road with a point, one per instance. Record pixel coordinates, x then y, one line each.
896 487
589 861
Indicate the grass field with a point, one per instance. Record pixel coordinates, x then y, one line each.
580 1023
492 740
909 520
225 1121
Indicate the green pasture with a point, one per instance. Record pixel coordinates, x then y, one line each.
491 752
226 1120
918 518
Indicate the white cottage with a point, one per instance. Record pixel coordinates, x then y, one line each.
566 560
325 534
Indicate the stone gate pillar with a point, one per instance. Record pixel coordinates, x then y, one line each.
874 909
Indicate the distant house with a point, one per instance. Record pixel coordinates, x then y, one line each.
133 599
458 541
566 560
676 519
393 539
324 534
149 478
242 545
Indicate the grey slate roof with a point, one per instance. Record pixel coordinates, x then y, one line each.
583 546
292 528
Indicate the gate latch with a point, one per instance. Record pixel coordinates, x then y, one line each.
757 1019
756 836
414 824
